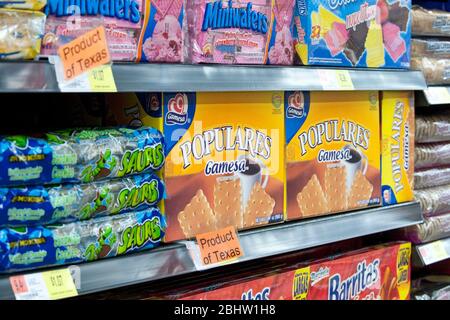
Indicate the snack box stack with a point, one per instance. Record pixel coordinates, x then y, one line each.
432 177
360 33
430 47
22 26
375 273
79 195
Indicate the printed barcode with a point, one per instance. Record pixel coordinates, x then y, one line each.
98 75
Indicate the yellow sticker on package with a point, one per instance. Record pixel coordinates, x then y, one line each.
332 152
225 161
397 115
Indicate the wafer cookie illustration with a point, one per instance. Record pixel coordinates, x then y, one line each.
197 217
335 188
259 207
360 192
227 203
311 200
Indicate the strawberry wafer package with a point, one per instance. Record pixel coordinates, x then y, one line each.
137 30
239 32
376 273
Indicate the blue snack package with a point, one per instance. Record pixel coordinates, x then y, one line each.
353 33
80 155
33 247
39 205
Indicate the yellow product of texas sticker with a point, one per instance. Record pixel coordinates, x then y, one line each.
397 178
224 161
300 284
333 152
404 270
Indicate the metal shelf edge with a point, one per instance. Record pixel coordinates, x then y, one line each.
174 259
129 77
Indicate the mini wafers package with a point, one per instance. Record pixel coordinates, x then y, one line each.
434 201
21 33
430 22
433 228
136 30
23 4
430 155
358 33
225 161
29 206
33 247
333 152
239 32
433 128
377 273
79 155
397 146
432 177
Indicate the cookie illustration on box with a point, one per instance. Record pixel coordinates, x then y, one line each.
334 159
358 33
226 159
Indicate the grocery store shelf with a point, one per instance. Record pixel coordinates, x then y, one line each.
429 253
40 77
433 96
174 259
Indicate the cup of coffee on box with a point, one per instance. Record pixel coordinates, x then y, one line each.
252 174
356 161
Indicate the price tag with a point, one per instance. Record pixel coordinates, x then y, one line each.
218 247
101 79
335 79
49 285
433 252
437 95
84 53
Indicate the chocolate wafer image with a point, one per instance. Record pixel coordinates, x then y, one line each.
311 200
259 207
197 217
399 15
227 203
335 188
355 46
360 192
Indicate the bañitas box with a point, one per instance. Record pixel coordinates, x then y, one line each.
225 164
353 33
333 152
397 146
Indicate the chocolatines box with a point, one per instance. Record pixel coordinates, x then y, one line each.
332 152
378 273
225 161
353 33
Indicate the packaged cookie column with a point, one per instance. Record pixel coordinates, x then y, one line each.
333 152
397 146
225 164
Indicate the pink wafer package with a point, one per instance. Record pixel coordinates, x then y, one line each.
239 32
137 30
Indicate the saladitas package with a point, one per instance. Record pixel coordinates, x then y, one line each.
333 152
353 33
397 118
225 164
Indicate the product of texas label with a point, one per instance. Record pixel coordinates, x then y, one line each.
397 146
80 155
225 161
37 205
333 152
377 273
32 247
